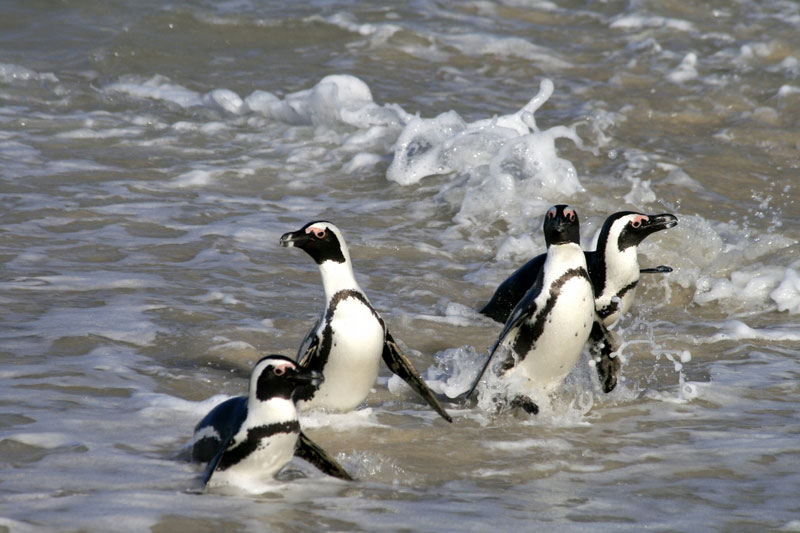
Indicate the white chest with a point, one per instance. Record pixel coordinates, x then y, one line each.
622 273
564 332
258 469
356 346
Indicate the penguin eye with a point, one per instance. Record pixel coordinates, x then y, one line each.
319 233
638 221
279 370
570 214
551 213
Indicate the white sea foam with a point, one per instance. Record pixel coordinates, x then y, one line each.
120 318
686 71
787 294
11 73
737 330
641 21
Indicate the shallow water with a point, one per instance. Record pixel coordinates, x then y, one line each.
152 154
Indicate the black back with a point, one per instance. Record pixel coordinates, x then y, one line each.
226 419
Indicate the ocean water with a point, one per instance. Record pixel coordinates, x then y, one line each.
152 153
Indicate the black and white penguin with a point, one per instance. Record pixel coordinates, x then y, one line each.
613 267
246 440
546 331
614 271
350 338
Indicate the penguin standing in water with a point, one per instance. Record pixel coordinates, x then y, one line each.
246 440
614 271
350 338
546 331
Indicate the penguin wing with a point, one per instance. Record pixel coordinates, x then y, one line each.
661 269
226 419
311 452
402 366
524 309
212 464
310 347
509 293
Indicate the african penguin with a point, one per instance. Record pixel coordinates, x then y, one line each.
613 267
246 440
614 271
350 338
548 328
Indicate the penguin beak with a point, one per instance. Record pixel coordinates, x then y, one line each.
294 238
659 222
304 376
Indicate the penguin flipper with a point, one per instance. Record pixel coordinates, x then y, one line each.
603 344
399 364
212 464
308 450
526 307
307 359
509 293
660 269
311 345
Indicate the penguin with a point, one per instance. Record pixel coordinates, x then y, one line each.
613 267
546 331
348 341
246 440
614 271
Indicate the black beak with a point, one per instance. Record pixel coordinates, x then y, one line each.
293 238
304 376
658 222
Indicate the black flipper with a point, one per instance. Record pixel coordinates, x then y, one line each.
661 269
212 464
603 344
308 360
524 308
311 452
402 366
509 293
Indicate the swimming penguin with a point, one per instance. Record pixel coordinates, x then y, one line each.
246 440
349 339
548 328
614 271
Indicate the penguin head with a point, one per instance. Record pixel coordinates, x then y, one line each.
277 376
561 225
321 240
628 228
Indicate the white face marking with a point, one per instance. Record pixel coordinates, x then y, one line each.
335 276
281 369
318 230
638 220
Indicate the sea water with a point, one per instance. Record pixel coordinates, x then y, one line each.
151 155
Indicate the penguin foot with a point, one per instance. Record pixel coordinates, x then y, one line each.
524 403
518 402
603 345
